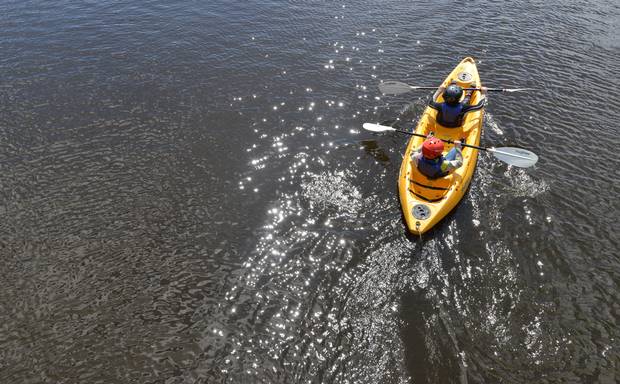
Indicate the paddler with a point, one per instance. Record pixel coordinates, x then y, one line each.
431 162
450 113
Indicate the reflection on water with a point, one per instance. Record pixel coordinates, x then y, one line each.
189 197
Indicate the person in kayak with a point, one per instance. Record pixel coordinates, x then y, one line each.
451 112
430 161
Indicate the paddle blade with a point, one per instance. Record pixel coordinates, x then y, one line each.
377 127
394 87
518 157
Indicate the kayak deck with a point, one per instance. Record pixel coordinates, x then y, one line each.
426 201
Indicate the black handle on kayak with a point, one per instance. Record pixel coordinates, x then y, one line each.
445 141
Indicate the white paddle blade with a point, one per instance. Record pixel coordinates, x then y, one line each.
394 87
518 157
377 127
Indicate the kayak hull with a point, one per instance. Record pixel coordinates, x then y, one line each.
425 202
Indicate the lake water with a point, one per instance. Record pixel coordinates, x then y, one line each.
187 194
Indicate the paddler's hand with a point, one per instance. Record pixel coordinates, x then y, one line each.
483 89
458 144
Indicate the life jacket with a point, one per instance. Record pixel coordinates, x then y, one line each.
431 168
450 115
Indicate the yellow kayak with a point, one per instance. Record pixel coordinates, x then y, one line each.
424 201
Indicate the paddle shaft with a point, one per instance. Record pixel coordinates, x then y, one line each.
493 150
465 89
500 153
445 141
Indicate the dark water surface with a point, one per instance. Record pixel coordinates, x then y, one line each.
187 195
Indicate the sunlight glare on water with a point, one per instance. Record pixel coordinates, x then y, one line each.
188 195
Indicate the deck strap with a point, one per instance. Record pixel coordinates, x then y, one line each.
425 198
429 186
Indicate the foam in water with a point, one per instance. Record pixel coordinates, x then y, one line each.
333 189
491 123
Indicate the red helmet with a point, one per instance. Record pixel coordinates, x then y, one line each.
432 148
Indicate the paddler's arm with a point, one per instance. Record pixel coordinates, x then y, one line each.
438 92
433 101
483 95
415 155
450 165
481 104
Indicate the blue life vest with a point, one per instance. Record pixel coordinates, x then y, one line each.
431 168
450 115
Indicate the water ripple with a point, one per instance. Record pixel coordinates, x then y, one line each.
188 195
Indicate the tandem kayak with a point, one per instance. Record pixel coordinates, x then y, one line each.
426 201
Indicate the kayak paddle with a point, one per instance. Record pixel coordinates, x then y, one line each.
512 156
397 88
